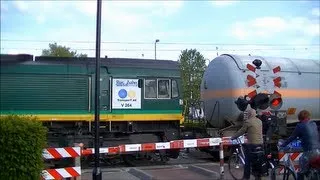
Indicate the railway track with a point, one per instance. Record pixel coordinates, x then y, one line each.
190 156
199 171
191 163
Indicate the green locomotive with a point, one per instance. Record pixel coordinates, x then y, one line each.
140 98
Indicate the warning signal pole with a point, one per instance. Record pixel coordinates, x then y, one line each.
96 173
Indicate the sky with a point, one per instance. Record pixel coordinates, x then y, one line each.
129 28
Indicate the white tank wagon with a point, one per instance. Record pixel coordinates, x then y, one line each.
225 79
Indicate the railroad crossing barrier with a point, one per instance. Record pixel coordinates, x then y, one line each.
61 153
295 152
294 156
77 151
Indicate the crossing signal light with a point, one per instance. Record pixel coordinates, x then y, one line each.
275 101
260 101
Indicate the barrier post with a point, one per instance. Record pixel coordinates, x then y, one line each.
221 157
60 153
77 160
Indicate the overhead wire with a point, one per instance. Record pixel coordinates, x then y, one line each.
145 50
164 43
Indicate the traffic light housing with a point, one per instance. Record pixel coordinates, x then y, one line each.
242 103
275 101
260 101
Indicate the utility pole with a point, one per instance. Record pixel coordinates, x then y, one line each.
96 173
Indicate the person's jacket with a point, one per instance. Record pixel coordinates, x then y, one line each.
253 127
307 132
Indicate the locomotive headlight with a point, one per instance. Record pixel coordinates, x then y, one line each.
180 102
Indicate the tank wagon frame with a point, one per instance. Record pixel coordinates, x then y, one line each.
140 98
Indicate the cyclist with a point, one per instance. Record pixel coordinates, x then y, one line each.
253 127
307 131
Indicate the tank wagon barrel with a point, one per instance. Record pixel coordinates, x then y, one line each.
225 79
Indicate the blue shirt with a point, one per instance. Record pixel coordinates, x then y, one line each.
307 133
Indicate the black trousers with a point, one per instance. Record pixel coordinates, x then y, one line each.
248 148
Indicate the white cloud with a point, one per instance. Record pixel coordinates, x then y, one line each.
4 6
266 27
131 21
40 19
315 12
221 3
159 8
39 10
21 5
88 7
274 24
167 8
238 30
129 15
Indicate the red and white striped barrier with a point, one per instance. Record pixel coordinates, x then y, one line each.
176 144
60 173
58 153
293 156
74 152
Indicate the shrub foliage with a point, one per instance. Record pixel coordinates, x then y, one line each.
22 140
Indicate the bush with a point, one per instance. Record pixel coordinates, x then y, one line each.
22 140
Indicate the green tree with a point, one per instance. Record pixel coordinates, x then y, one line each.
192 67
60 51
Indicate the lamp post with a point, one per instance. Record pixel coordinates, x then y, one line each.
155 49
96 173
217 51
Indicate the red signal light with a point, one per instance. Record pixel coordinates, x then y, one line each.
276 102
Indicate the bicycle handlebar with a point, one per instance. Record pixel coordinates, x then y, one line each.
286 148
238 140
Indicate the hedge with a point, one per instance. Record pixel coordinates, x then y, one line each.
22 139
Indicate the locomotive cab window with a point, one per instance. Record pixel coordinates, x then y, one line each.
150 90
175 91
164 89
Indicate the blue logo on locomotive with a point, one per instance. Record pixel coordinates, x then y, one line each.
122 93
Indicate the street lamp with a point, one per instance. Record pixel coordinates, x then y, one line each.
155 49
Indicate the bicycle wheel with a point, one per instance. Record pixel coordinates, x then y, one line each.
236 167
282 172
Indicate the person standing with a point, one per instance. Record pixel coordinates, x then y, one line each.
253 127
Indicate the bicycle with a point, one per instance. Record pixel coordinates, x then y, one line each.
238 158
285 170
